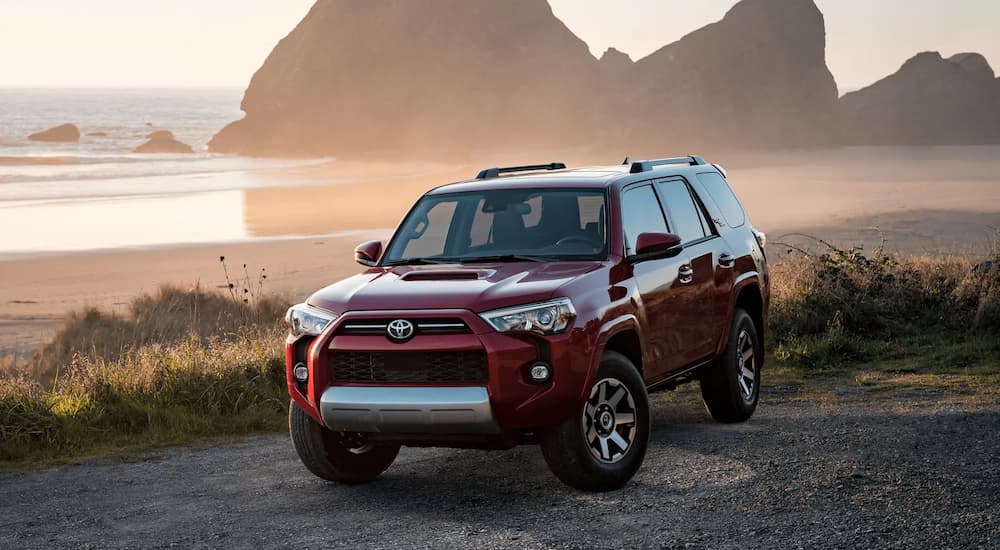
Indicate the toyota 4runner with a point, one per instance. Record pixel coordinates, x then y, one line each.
534 304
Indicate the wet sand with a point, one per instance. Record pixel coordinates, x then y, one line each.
36 292
933 200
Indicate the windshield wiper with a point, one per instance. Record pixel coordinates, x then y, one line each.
420 261
505 258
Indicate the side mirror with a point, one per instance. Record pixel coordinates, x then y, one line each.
656 245
367 254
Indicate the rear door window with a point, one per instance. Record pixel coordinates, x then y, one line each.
641 213
724 198
683 214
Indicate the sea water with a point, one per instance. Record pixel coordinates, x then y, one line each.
98 193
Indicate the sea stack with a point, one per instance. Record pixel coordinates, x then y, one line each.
67 133
930 100
163 141
397 76
756 78
444 77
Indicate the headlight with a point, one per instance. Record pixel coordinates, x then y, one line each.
306 319
544 317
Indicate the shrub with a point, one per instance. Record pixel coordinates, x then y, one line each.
843 304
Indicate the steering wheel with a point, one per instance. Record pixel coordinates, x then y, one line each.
578 239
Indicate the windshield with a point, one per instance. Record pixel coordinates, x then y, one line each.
503 225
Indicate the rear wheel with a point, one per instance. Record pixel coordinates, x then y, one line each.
335 456
731 386
602 446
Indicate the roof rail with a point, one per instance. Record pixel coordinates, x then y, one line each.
495 172
647 165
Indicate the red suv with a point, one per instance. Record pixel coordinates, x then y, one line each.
534 304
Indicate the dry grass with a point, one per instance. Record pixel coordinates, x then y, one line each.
185 363
170 315
9 367
889 296
180 364
841 308
155 395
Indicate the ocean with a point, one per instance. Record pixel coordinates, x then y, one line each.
126 117
98 193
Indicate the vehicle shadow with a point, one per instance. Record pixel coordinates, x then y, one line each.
490 491
807 461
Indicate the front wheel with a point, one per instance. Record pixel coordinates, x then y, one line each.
334 456
600 447
731 386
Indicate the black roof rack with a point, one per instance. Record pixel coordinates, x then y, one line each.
647 165
495 172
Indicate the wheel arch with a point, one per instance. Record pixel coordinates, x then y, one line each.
748 296
627 343
623 335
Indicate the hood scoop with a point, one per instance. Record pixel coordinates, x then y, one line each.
446 275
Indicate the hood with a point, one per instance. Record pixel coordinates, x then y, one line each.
476 288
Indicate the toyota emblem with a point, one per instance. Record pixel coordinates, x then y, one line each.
400 330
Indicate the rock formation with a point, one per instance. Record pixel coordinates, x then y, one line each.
451 75
397 75
160 134
616 64
61 133
163 141
756 78
929 100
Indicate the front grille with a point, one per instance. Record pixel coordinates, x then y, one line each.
408 366
422 326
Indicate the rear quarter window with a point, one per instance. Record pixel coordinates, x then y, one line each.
723 197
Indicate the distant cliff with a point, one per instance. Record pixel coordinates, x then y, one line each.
929 100
757 77
446 76
388 75
440 78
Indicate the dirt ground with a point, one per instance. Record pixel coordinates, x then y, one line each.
892 471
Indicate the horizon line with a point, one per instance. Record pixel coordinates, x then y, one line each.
122 87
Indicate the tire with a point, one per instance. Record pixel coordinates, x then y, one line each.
730 387
329 454
585 451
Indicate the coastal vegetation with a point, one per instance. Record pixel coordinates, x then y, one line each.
185 364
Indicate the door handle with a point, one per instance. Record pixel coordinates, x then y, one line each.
685 274
726 260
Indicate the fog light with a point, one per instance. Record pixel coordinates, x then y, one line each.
540 372
301 372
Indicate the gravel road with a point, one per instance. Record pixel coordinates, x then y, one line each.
799 474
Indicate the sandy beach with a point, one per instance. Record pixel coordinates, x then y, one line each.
934 200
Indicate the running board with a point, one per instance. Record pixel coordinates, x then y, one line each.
676 379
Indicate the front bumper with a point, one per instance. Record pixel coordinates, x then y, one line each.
409 410
507 400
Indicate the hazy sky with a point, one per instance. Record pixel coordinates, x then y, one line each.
181 43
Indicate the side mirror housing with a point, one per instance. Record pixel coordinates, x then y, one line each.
368 253
649 246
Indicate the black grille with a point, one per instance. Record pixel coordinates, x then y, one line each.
408 366
422 326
